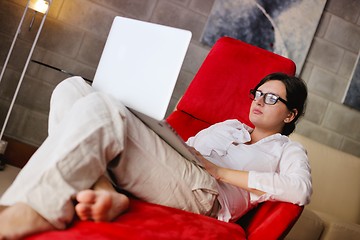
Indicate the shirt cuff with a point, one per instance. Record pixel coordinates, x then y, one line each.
253 183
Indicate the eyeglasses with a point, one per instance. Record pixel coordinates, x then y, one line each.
269 98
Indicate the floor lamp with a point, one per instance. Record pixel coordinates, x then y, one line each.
41 6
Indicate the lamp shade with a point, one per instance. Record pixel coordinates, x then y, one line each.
39 5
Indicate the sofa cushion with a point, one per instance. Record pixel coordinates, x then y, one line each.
336 180
341 230
308 227
335 229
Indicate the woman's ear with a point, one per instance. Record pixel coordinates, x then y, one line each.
291 116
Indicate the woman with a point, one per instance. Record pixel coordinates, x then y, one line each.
243 166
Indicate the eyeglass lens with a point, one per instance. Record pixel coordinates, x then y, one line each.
269 98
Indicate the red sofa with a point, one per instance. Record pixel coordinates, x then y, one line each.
218 92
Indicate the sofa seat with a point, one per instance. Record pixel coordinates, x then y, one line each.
149 221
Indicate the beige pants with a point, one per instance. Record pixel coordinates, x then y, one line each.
87 130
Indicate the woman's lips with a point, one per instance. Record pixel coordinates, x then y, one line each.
257 111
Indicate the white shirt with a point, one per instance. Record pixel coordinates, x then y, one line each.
276 165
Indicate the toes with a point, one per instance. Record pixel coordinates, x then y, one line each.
86 196
101 207
86 199
83 211
93 205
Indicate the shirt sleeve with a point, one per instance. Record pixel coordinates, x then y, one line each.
219 137
292 183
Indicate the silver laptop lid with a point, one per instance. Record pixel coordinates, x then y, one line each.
140 64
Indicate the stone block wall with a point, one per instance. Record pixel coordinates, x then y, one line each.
328 70
75 32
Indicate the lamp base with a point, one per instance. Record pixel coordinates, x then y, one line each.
3 145
2 162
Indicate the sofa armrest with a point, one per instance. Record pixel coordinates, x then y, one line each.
270 220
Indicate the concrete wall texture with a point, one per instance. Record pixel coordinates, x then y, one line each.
75 32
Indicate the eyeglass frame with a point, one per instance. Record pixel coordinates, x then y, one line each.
264 95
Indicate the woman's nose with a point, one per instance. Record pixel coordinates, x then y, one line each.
260 101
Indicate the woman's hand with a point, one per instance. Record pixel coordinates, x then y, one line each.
235 177
209 166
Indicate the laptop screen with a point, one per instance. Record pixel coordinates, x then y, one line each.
140 64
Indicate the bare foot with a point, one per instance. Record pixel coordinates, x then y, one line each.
100 205
20 220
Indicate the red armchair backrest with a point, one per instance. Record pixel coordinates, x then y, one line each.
221 87
220 91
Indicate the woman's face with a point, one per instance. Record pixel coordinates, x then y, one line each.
270 118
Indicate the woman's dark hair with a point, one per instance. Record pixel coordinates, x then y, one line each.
296 94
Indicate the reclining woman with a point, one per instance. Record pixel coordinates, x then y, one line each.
92 137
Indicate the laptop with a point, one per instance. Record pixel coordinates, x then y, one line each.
139 67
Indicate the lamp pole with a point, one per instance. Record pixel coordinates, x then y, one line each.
38 6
